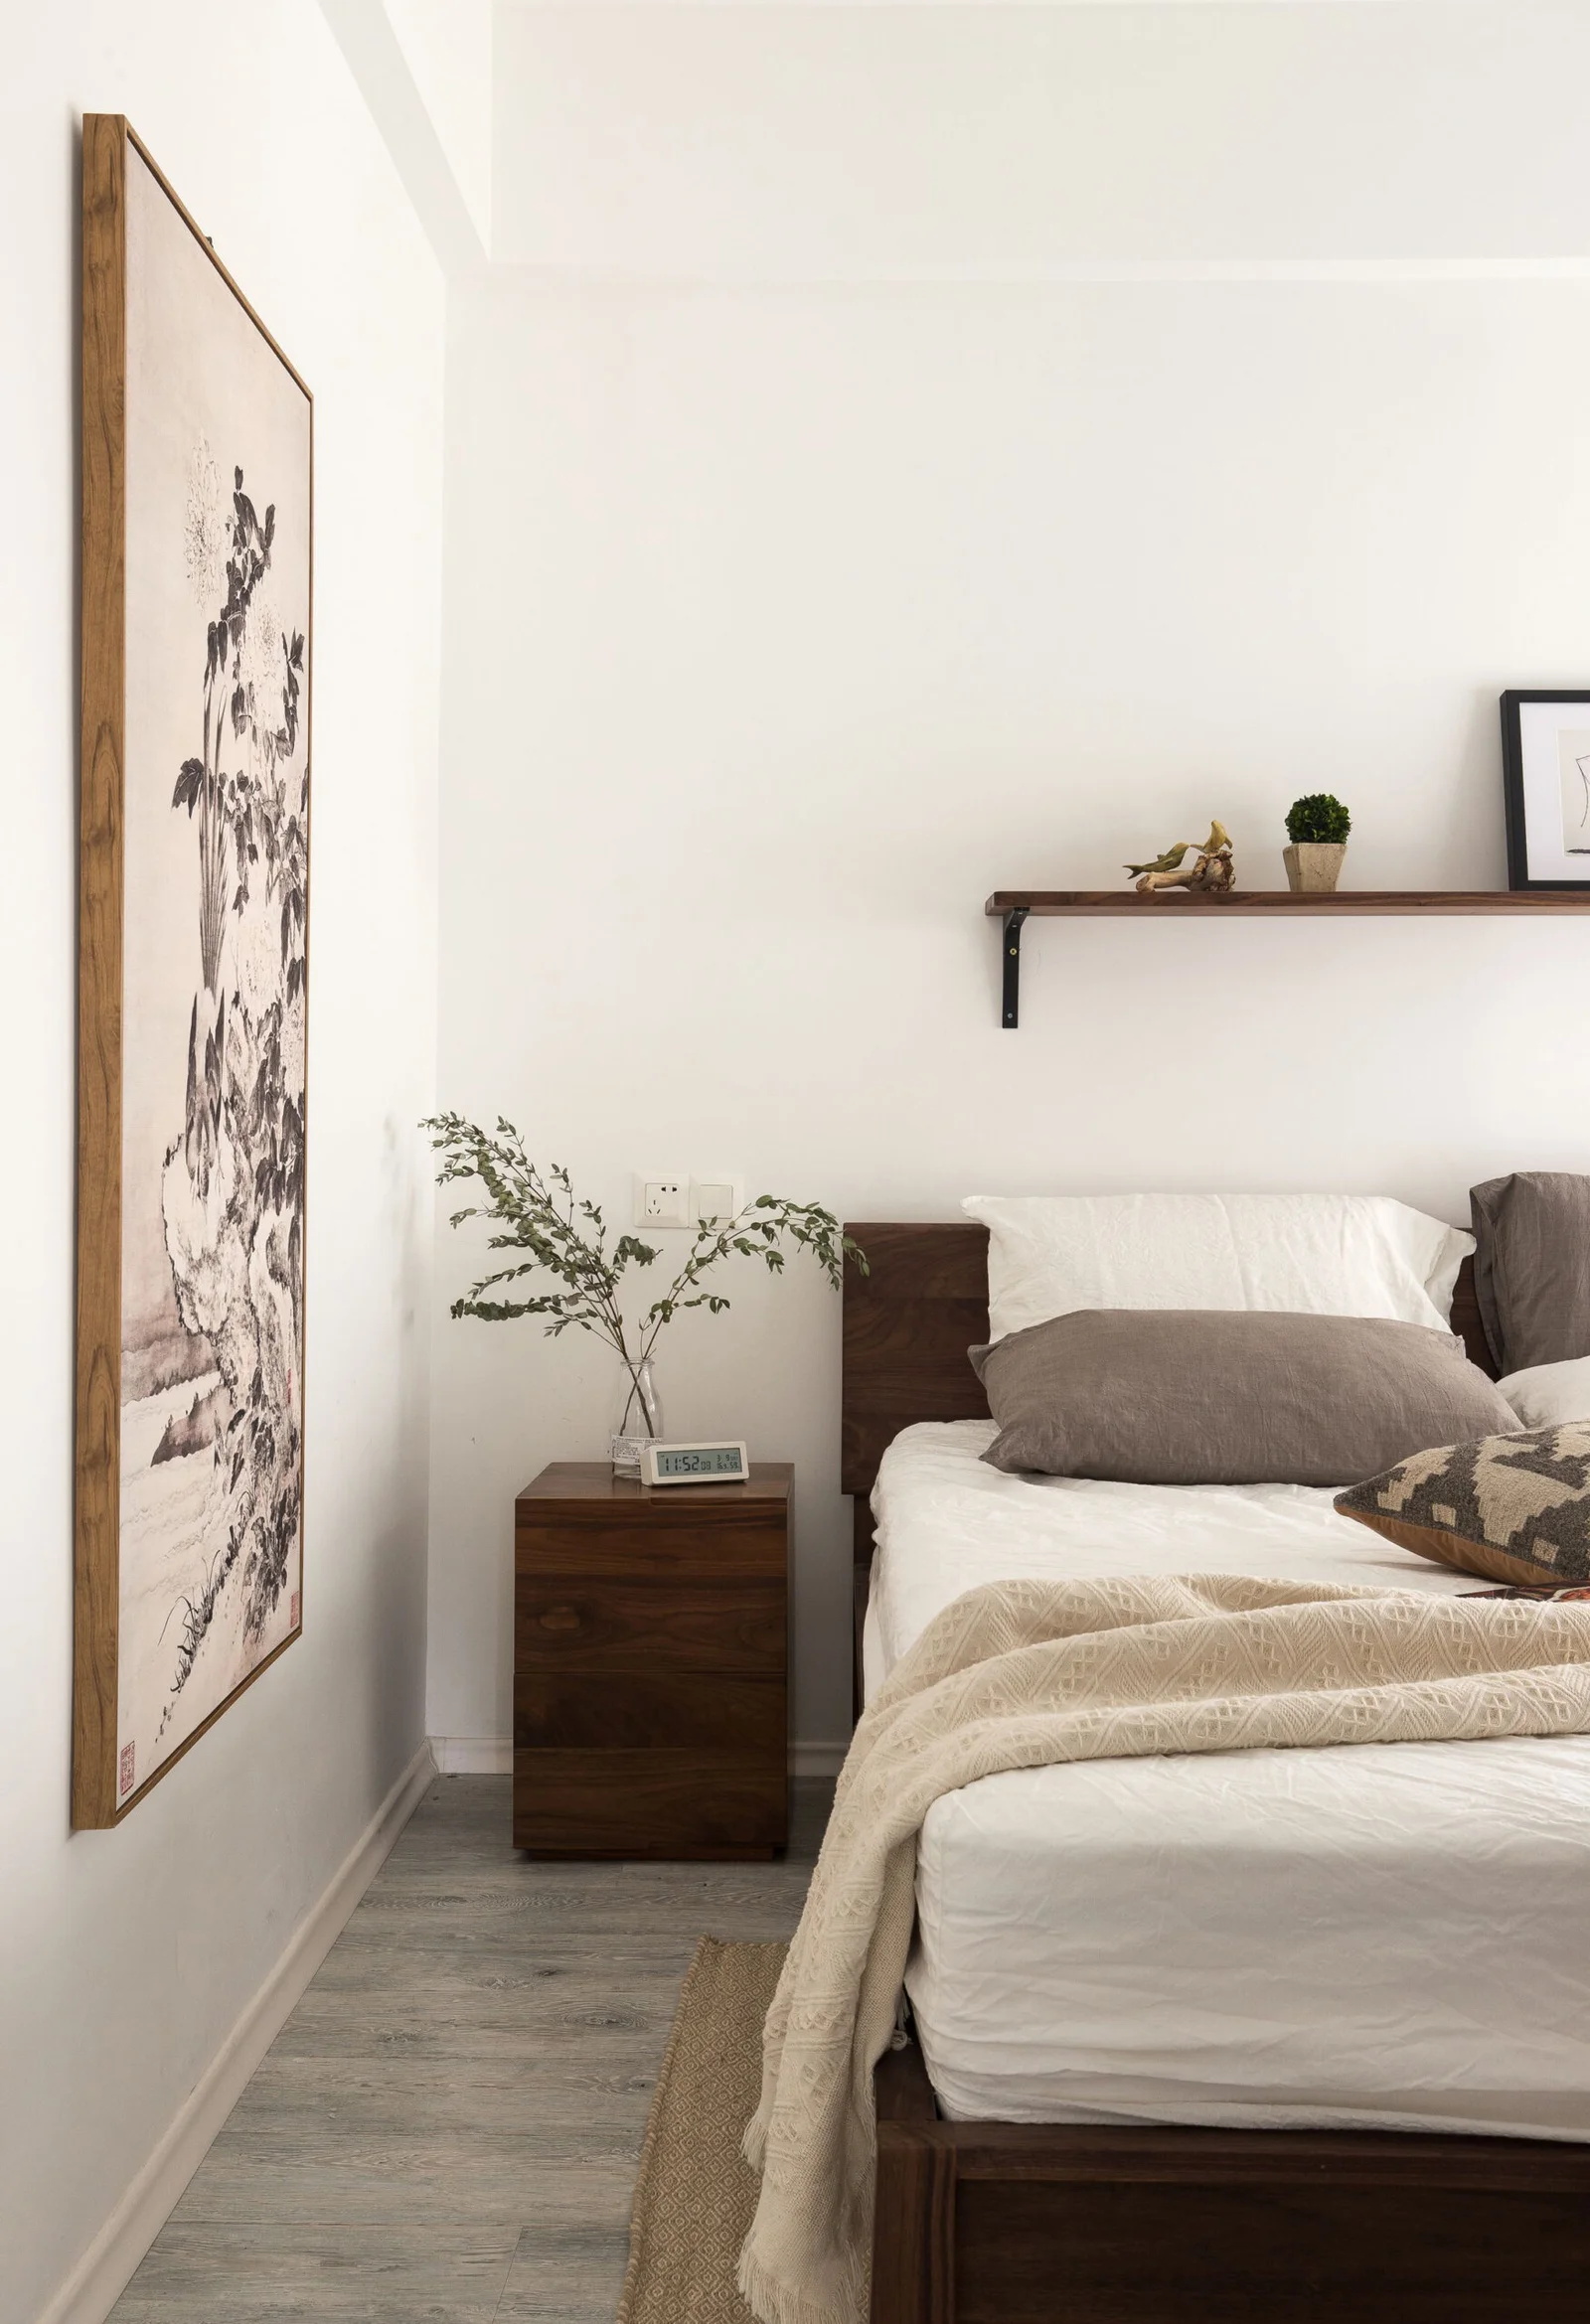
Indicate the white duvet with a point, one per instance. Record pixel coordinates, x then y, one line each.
1391 1935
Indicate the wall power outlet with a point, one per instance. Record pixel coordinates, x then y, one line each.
662 1198
668 1198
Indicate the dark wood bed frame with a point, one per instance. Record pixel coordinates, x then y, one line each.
999 2222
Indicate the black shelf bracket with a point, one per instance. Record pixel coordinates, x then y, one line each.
1011 949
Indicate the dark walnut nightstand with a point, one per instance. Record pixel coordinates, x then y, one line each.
651 1664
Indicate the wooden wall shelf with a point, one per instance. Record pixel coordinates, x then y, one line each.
1014 905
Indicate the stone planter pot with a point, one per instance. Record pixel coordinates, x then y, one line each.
1313 870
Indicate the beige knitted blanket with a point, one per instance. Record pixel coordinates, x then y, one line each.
1022 1674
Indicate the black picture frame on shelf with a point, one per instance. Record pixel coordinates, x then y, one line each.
1545 754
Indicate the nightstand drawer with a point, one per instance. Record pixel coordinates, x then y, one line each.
663 1539
569 1623
646 1803
745 1719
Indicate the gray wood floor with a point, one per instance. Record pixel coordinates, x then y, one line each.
448 2123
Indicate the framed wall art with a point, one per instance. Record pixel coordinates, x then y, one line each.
1546 773
193 992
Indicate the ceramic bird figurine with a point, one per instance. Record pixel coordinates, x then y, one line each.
1165 863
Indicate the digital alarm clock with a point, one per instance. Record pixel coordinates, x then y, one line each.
697 1465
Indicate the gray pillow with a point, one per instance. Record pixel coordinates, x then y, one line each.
1531 1267
1184 1396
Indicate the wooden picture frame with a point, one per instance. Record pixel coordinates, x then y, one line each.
1545 787
196 596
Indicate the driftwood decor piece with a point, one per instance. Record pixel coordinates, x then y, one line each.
1209 873
194 871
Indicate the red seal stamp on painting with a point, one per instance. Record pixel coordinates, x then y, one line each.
128 1753
293 1610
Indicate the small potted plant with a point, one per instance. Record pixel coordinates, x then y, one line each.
1318 828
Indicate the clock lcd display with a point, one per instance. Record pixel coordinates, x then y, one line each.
715 1460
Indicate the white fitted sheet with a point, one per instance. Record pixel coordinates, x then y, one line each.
1391 1936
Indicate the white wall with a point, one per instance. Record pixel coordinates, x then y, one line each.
820 558
127 1957
446 45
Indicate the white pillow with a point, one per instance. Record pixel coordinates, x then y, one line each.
1548 1396
1309 1254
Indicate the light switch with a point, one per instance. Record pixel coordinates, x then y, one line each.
714 1199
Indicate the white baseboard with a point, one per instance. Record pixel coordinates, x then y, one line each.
103 2272
473 1755
492 1755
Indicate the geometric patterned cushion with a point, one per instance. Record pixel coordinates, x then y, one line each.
1515 1508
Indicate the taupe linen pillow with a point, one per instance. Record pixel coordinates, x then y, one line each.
1531 1267
1197 1396
1513 1508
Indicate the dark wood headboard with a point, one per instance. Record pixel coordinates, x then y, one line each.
908 1326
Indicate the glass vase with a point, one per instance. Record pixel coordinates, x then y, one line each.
637 1417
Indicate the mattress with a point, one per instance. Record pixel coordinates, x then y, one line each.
1379 1935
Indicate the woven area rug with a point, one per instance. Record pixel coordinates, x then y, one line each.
696 2193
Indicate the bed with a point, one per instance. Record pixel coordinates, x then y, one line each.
1118 2129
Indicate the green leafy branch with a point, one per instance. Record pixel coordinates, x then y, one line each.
537 1216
